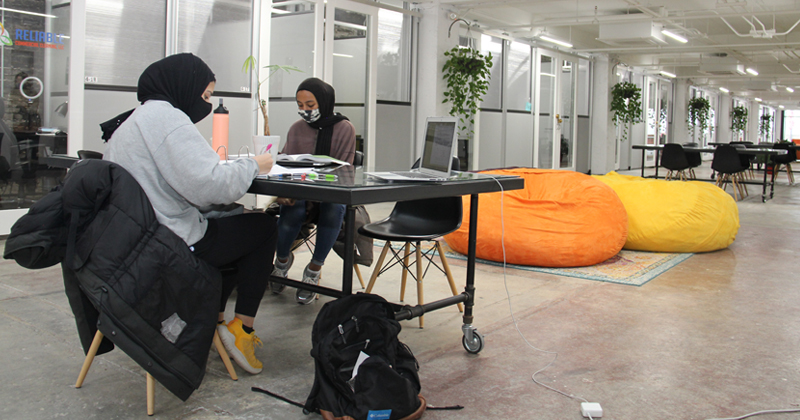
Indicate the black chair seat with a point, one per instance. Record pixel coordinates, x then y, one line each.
674 158
417 220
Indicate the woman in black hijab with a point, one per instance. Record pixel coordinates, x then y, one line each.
321 132
181 174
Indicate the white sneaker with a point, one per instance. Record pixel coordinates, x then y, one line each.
304 297
280 270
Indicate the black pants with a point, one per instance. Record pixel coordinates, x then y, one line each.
244 247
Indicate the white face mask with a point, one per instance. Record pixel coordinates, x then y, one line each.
309 116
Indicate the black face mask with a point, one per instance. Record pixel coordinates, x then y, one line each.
200 109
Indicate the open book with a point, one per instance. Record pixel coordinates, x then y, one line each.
308 160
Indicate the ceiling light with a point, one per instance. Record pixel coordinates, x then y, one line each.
555 41
790 90
675 36
758 99
751 71
722 89
780 106
668 74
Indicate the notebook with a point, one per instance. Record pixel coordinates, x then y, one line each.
437 153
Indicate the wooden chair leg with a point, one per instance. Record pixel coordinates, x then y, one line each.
420 299
448 273
151 395
87 362
378 267
358 274
223 354
406 256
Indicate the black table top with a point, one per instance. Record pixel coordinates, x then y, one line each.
353 187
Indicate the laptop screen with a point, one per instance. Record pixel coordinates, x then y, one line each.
438 148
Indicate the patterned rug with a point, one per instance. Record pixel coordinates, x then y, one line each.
633 268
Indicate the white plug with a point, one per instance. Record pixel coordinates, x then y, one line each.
591 409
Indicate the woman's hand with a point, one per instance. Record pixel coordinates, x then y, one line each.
264 162
285 201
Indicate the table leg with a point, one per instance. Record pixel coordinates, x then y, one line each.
644 156
764 187
349 250
473 235
658 157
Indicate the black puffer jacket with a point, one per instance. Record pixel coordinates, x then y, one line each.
150 296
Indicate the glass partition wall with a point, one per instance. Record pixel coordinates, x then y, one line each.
33 102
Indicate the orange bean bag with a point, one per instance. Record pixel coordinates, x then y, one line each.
560 219
675 216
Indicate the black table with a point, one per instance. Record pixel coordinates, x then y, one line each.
353 188
751 151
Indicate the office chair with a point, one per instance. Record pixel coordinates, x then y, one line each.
694 159
413 222
785 160
89 154
150 382
674 159
730 168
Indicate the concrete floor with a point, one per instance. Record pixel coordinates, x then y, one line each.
716 336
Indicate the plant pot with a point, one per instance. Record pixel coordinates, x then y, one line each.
264 144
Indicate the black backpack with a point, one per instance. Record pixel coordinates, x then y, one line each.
387 384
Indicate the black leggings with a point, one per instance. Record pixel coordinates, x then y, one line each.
244 246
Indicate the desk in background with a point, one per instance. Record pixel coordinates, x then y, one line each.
752 151
353 188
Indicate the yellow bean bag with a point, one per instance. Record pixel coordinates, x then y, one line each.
675 216
560 219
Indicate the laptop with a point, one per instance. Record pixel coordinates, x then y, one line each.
441 135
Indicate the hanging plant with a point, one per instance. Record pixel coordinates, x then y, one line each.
467 74
766 123
738 119
626 104
699 110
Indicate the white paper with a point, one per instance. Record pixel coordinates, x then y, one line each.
361 357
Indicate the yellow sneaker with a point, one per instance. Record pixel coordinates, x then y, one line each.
241 345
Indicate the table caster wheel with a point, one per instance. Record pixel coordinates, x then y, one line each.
475 345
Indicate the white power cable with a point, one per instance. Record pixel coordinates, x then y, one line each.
511 309
758 413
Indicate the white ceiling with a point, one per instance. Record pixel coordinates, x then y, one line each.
763 35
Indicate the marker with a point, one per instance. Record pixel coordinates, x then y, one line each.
269 146
322 177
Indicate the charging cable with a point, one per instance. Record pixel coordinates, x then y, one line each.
514 319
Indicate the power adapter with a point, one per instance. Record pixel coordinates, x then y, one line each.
591 409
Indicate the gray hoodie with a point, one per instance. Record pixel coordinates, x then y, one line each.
176 167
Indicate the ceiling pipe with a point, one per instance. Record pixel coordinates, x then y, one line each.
790 70
758 33
698 48
584 20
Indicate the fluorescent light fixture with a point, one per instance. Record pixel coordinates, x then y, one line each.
280 11
751 71
24 12
555 41
725 90
342 55
668 74
675 36
790 90
780 106
758 99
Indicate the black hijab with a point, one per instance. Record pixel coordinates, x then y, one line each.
179 79
325 96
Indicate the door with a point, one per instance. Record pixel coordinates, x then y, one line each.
555 111
349 66
657 100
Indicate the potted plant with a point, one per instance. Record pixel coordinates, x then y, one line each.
738 119
699 110
626 104
467 74
251 65
765 125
